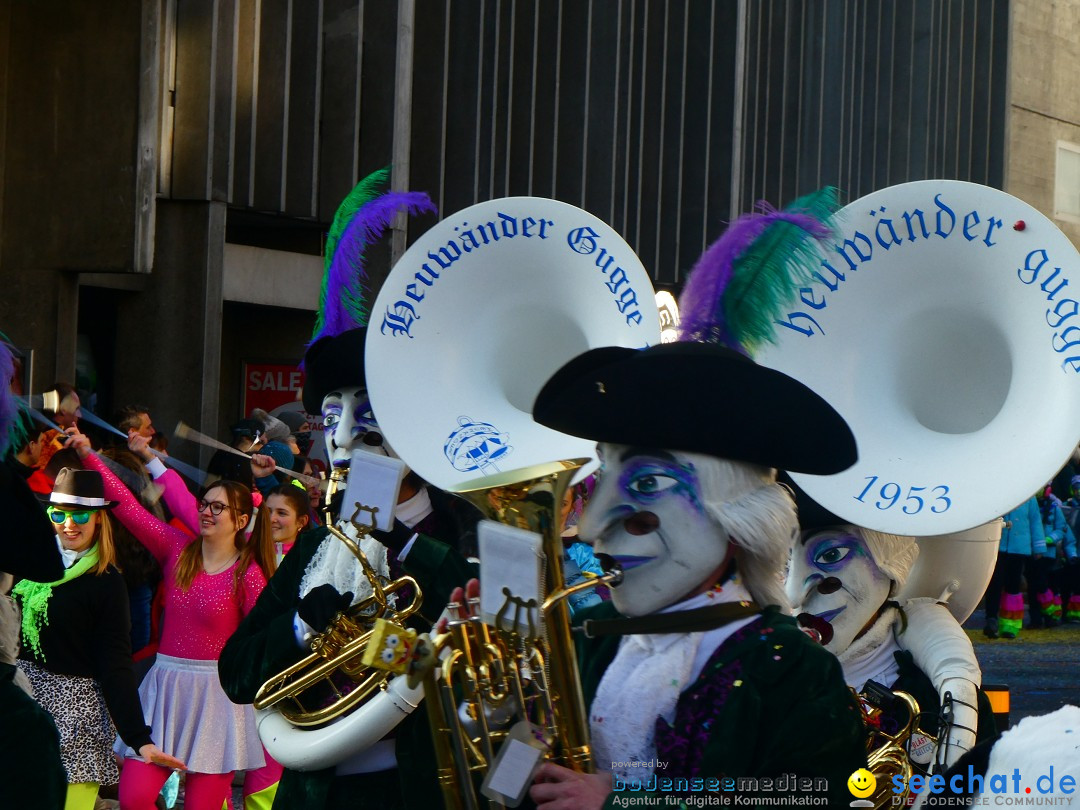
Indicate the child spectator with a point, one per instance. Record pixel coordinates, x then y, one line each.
1044 600
1021 538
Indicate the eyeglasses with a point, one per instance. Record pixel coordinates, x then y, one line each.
215 507
58 516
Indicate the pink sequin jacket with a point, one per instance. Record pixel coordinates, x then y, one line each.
198 621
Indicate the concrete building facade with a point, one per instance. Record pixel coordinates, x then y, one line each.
168 167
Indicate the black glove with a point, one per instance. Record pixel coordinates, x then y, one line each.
396 538
321 605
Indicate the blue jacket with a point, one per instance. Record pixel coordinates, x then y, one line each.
1055 528
1023 532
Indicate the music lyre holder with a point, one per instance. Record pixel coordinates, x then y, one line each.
364 528
521 606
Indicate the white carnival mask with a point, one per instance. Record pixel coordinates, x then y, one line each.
349 424
834 576
648 513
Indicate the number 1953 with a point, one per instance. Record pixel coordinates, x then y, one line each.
889 495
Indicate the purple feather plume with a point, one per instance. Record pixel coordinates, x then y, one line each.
702 306
346 274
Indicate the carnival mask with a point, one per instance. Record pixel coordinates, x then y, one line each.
648 514
347 421
834 577
349 424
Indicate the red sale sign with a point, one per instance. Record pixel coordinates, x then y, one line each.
270 385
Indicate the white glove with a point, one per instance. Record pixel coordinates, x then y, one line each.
943 651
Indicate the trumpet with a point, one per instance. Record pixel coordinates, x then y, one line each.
298 706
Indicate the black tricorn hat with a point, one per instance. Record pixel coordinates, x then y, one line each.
331 363
700 398
79 488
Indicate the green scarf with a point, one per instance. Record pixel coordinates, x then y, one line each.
36 595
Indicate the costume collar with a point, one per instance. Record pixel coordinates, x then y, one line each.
415 509
71 556
870 657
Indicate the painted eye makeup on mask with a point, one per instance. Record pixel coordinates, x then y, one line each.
363 417
647 481
331 416
833 554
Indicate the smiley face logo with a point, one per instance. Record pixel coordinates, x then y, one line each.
861 783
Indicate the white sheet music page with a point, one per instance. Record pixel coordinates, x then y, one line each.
374 483
512 559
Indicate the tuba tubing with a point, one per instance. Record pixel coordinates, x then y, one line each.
304 739
325 747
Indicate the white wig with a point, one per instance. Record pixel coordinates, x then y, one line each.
894 554
757 514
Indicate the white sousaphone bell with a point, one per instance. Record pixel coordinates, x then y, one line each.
487 305
468 325
944 325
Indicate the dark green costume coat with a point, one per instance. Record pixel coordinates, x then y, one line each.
264 644
789 711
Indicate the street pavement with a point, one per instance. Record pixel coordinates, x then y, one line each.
1041 668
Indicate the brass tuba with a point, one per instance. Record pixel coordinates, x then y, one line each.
521 667
483 308
943 325
329 705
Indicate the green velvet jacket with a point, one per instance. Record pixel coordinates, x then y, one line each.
264 644
792 713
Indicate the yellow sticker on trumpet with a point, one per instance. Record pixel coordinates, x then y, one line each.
390 647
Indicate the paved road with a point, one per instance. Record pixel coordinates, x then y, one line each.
1040 667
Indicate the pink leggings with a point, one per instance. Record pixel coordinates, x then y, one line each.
141 782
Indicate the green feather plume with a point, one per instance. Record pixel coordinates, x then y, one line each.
365 191
768 274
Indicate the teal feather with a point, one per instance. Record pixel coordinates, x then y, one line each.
365 191
767 276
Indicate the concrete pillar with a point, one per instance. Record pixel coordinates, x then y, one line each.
169 336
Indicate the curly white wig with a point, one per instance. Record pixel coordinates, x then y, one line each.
757 514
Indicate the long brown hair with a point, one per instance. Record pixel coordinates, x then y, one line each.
103 536
258 549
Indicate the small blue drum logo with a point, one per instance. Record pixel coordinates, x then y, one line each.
476 446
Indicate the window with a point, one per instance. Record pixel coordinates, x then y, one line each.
1067 182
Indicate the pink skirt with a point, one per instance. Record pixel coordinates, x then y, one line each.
191 717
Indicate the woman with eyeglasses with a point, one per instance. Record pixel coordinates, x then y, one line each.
211 583
76 644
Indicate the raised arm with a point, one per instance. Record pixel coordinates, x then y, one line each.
160 539
178 498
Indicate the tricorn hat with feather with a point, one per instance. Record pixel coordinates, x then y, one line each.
715 398
335 354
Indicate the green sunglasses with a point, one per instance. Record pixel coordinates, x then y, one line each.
81 517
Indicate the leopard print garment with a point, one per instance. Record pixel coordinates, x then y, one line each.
86 730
